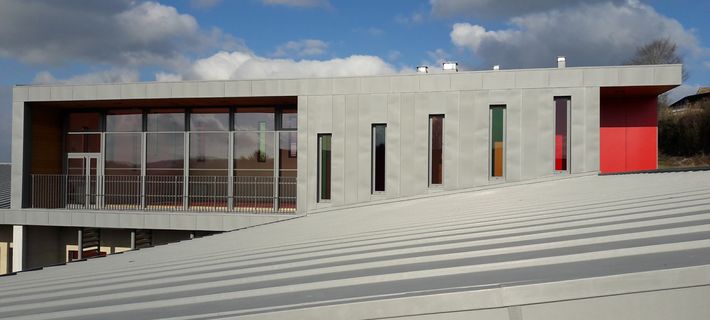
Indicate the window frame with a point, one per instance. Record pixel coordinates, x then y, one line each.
373 160
319 181
504 172
568 148
430 140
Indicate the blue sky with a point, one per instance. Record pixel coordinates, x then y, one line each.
85 41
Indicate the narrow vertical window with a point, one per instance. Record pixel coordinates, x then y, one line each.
436 149
562 105
378 157
497 147
324 150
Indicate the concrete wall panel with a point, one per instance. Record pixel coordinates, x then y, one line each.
351 148
592 121
238 88
393 146
338 149
303 187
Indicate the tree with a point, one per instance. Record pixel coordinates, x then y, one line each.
659 51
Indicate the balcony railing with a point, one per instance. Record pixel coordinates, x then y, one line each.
165 193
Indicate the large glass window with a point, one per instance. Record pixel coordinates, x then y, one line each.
123 154
288 150
254 118
254 154
84 121
166 120
289 118
209 119
324 171
497 138
124 121
378 157
436 149
209 160
562 106
164 169
122 169
83 142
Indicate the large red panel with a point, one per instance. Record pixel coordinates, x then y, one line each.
641 148
612 149
628 134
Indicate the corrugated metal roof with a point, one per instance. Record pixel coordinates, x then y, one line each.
377 256
5 169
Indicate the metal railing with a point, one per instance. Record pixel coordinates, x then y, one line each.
165 193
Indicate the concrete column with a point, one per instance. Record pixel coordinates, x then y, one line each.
133 239
79 245
18 248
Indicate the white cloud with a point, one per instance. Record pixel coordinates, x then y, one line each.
394 55
298 3
121 32
596 34
108 76
301 48
501 8
439 56
240 65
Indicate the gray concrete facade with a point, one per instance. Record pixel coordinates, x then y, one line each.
347 107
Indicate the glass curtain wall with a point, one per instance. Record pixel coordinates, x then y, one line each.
83 132
165 158
122 158
209 158
180 158
254 175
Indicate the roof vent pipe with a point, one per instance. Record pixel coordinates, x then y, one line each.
561 62
423 69
451 66
496 67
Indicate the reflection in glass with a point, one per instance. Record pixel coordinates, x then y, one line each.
166 120
122 169
211 119
124 121
289 118
84 121
209 154
324 166
83 143
288 148
561 116
497 141
436 149
254 154
254 118
123 154
164 170
378 157
209 159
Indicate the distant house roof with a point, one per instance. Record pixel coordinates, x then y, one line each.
5 169
703 93
541 242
